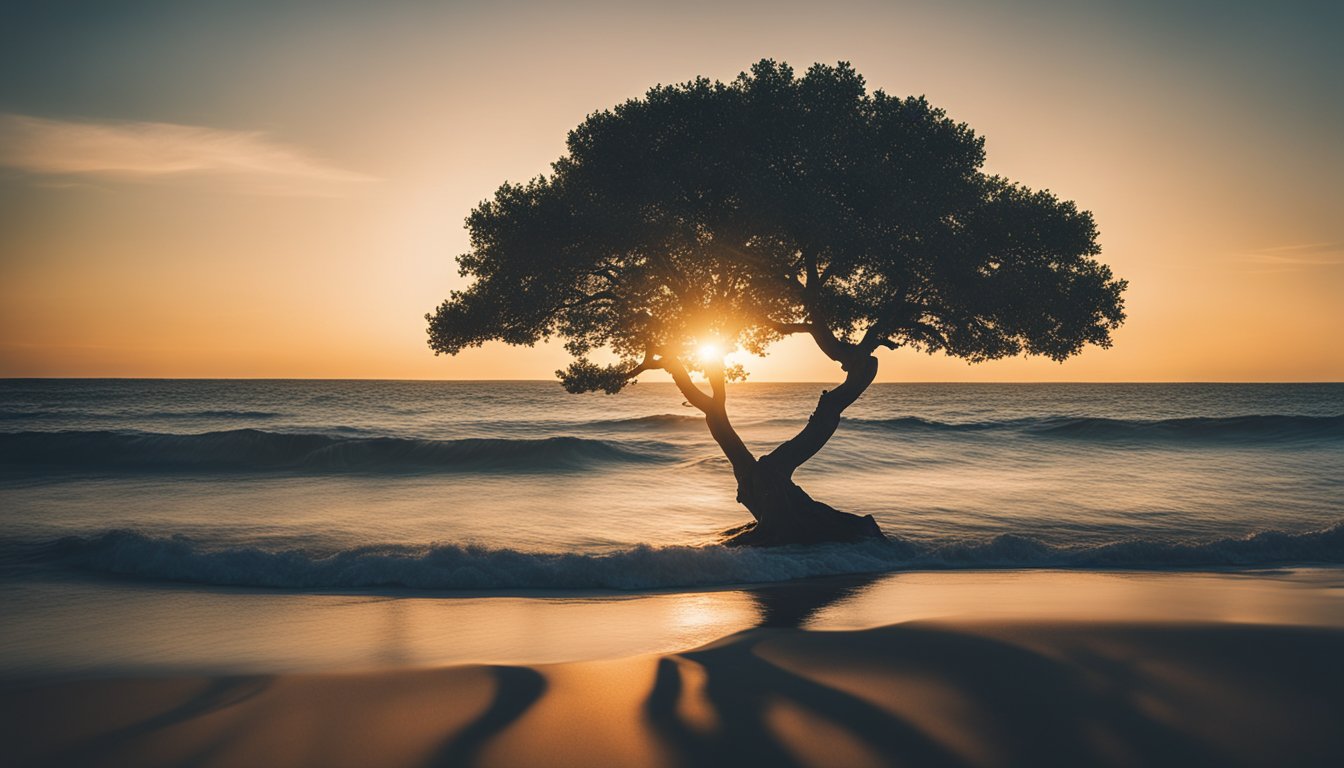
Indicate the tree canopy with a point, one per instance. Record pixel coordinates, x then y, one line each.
738 213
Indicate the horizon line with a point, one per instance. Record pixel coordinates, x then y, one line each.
556 381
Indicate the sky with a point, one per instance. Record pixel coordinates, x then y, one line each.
277 189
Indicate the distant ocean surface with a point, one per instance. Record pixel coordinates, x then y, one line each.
464 486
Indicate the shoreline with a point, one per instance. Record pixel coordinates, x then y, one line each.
73 629
931 692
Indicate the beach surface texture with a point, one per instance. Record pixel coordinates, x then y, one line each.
921 693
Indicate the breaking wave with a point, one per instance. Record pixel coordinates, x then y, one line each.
449 567
258 450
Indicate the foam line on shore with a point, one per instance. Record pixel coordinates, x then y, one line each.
451 566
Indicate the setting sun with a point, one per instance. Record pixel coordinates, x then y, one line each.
710 352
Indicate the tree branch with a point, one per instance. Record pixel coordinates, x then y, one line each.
583 375
717 386
929 333
874 337
788 329
682 378
831 345
649 363
841 352
825 274
813 275
716 413
588 299
824 420
606 272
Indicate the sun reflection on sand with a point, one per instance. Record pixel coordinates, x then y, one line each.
700 615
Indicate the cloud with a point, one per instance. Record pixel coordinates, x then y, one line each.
1301 256
143 150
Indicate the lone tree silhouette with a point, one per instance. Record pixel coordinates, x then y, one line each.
735 214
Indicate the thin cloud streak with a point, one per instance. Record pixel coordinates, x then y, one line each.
144 150
1305 255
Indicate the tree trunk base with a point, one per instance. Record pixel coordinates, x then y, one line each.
844 529
786 515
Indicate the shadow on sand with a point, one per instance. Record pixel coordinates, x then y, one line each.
793 605
516 690
922 694
218 695
1028 693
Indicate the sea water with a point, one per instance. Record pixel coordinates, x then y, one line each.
171 491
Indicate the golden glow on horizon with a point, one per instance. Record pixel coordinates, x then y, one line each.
207 259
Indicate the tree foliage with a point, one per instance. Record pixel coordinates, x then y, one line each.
776 204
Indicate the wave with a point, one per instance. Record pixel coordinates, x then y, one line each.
449 567
216 414
655 421
258 450
17 415
1258 427
917 424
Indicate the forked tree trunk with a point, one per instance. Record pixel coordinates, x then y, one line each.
783 512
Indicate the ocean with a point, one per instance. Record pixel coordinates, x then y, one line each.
125 499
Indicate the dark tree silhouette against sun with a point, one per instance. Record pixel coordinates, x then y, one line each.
726 215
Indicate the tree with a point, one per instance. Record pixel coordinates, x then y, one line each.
735 214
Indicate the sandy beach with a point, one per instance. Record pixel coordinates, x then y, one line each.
1016 689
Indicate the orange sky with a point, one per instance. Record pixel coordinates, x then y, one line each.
245 191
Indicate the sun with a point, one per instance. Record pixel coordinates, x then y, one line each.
710 353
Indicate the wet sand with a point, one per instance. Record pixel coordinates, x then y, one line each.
926 692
